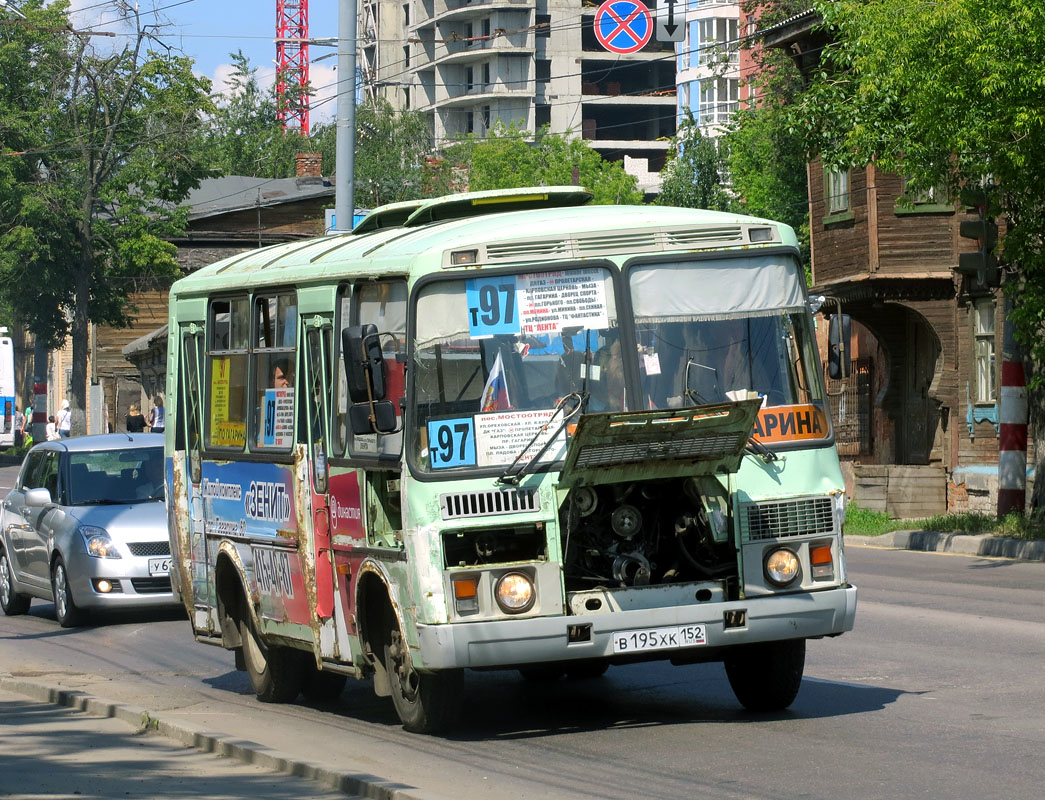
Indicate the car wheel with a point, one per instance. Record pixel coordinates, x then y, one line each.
426 702
12 602
767 676
65 608
274 672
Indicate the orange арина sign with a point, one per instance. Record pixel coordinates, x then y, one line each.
790 423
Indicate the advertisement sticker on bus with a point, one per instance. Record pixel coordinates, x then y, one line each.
249 499
346 506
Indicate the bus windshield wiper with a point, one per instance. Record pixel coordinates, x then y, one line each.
510 478
756 448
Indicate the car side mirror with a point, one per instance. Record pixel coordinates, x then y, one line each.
38 498
839 361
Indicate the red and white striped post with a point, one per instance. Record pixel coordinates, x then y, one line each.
1012 442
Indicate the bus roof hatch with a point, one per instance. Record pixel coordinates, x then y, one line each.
497 201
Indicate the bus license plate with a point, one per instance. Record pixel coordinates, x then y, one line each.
160 566
668 638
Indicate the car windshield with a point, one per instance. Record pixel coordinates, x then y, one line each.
495 355
115 477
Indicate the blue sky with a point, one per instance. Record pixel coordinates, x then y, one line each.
208 30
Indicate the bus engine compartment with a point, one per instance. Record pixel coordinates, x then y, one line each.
647 533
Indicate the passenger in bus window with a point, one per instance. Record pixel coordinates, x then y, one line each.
281 374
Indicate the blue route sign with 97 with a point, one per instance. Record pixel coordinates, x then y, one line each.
623 26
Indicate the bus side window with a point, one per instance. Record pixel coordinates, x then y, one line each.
226 381
383 304
273 356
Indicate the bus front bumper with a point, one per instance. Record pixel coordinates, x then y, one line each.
532 640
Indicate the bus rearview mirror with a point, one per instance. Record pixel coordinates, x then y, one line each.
384 418
361 349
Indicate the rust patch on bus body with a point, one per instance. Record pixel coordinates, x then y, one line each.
182 533
306 552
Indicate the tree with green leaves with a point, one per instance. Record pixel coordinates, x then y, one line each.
949 94
692 176
99 146
244 135
765 156
392 155
507 158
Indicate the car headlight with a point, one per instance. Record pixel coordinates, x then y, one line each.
782 566
515 593
98 542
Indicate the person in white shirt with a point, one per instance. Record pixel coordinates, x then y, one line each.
65 421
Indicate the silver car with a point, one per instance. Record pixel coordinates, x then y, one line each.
86 527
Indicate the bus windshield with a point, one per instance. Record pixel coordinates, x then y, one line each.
720 329
495 355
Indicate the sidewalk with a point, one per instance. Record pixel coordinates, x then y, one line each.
66 744
962 544
55 752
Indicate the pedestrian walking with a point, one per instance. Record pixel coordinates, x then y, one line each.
65 421
135 420
158 415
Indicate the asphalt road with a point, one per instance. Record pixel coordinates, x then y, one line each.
937 693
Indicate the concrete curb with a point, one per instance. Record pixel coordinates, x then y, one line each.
357 784
962 544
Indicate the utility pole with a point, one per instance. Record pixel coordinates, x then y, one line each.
344 153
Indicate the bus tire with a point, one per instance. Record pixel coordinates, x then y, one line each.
426 702
767 676
274 672
12 601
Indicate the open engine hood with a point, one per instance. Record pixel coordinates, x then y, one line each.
670 443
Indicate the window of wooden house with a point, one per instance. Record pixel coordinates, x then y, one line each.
983 333
836 190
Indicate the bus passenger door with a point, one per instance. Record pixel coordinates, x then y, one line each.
317 390
187 512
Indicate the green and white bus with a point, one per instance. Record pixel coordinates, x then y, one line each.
505 430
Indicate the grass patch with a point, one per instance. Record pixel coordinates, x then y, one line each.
861 522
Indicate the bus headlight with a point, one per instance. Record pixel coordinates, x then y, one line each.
515 593
782 566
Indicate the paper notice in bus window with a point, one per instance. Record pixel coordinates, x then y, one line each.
501 436
277 420
551 301
228 434
223 433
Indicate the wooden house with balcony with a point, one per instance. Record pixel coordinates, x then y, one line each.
917 420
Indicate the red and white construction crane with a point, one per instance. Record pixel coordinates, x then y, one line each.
292 65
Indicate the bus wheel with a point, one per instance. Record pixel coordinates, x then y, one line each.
426 702
13 602
275 672
319 685
767 676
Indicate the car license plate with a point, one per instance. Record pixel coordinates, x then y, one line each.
160 566
667 638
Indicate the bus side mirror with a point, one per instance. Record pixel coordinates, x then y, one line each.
376 417
361 349
838 356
